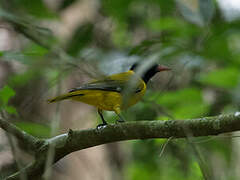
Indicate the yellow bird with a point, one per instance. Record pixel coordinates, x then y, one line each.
107 93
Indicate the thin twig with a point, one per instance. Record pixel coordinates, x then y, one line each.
13 146
54 130
164 146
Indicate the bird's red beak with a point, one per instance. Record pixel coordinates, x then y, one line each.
163 68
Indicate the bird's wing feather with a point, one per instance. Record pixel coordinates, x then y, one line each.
114 83
106 85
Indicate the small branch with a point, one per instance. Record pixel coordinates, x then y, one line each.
30 142
77 140
18 162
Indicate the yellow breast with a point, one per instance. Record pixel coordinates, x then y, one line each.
109 100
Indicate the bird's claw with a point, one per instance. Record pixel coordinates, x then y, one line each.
101 126
120 121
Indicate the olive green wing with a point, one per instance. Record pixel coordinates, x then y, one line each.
115 83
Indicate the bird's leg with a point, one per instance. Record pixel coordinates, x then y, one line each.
103 120
118 111
121 119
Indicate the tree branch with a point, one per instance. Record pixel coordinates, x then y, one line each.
77 140
30 142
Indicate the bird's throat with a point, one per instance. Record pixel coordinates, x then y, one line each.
147 76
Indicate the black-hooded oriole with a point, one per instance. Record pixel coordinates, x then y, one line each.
107 93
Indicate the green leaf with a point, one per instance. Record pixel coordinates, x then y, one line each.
5 94
36 8
165 23
118 9
166 7
34 50
35 129
222 78
11 110
26 56
196 170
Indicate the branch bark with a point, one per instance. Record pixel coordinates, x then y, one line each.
31 143
77 140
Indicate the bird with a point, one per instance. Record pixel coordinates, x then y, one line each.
107 94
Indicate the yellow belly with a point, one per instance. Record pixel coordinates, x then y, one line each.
107 100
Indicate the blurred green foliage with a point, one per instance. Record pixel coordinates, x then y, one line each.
35 8
222 78
5 94
184 103
80 39
195 40
35 129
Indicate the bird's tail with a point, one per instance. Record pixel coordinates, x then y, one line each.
64 96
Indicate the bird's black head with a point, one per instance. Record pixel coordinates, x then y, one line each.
149 73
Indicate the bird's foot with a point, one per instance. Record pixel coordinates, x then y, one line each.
120 121
101 126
